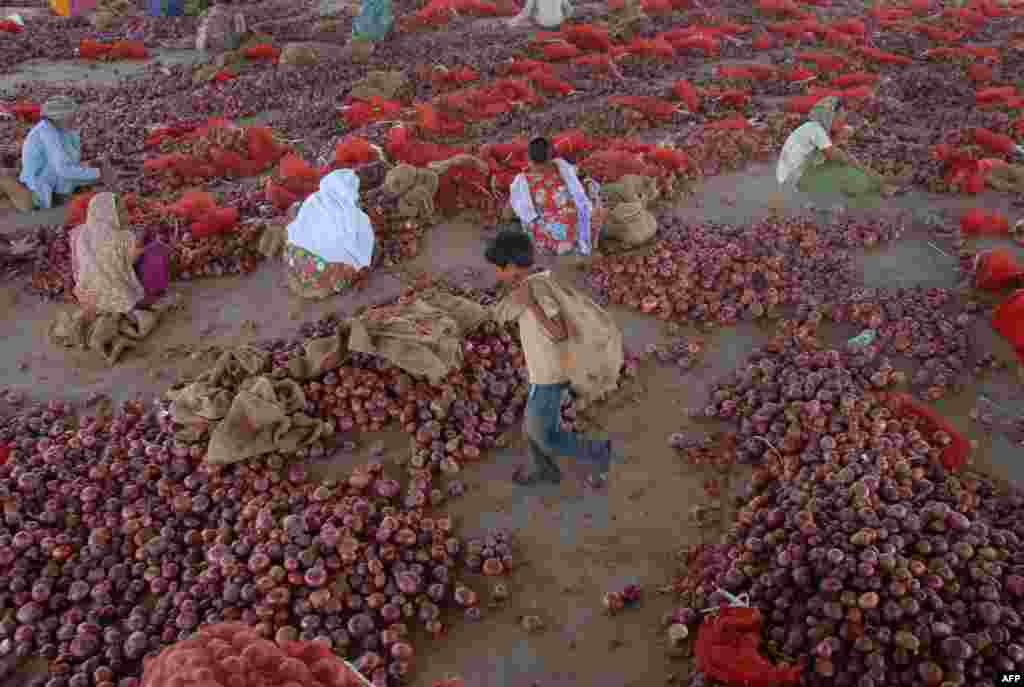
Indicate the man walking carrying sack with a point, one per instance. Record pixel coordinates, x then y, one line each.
568 340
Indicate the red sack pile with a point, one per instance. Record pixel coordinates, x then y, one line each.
558 51
981 73
443 121
687 92
440 12
1000 144
978 222
226 651
734 123
465 187
402 147
763 42
588 37
522 67
798 74
882 57
1008 321
854 79
252 150
484 102
10 26
78 208
353 152
199 208
655 109
359 113
599 62
823 61
263 51
506 160
997 269
459 76
787 7
174 131
996 96
955 455
728 651
608 166
573 142
656 48
672 160
26 112
548 83
118 50
961 167
939 34
851 27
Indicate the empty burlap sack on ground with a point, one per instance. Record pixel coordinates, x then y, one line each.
596 349
107 334
631 188
299 54
631 224
273 239
414 189
321 355
389 85
423 338
266 416
16 193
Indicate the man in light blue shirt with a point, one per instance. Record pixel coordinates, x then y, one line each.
51 156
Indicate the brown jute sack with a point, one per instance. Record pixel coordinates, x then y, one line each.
17 193
631 224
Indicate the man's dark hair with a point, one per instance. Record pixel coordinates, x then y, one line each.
540 150
510 247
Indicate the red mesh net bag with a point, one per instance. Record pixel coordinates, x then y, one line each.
854 79
851 27
981 73
599 62
193 204
798 74
1008 320
656 8
506 160
263 51
825 62
608 166
654 48
215 222
462 187
89 49
439 122
227 654
996 94
955 454
458 76
224 75
882 57
997 269
673 160
763 42
263 149
279 196
559 51
10 26
522 66
979 222
78 208
548 83
1000 144
298 176
26 112
401 146
727 650
687 92
709 45
588 37
359 113
128 50
354 151
573 142
734 123
649 106
779 7
205 217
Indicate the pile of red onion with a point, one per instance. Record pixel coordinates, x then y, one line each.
866 557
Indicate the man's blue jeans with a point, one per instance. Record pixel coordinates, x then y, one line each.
547 440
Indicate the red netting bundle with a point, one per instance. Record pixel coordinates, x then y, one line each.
359 113
702 42
1000 144
205 218
763 42
732 28
630 145
798 74
651 107
981 222
298 176
506 160
560 50
229 654
588 37
793 30
854 79
522 66
997 268
354 151
787 7
78 208
728 650
823 61
224 75
573 142
1008 321
838 39
961 168
981 73
801 104
657 8
440 12
851 27
955 454
608 166
10 26
845 93
171 132
882 57
598 62
996 96
465 187
654 48
937 33
116 50
26 112
263 51
279 196
458 76
733 123
446 121
402 147
550 84
687 92
672 160
216 149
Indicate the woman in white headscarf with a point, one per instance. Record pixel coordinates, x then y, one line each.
51 156
548 14
331 240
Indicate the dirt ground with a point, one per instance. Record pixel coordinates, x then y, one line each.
575 544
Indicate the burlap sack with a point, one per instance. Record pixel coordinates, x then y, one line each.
265 416
414 189
631 188
321 355
359 50
235 366
299 54
18 194
389 85
109 335
631 224
273 239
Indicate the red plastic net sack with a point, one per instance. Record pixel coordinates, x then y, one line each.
798 74
981 73
656 8
263 149
649 106
78 208
573 142
1008 320
9 26
801 104
560 50
687 92
734 123
997 269
550 84
359 113
27 112
980 222
709 45
522 67
671 159
217 221
89 49
825 62
882 57
298 176
224 75
462 187
263 51
728 650
228 652
855 79
995 94
779 7
193 204
438 122
128 50
354 151
997 143
851 27
599 63
401 146
608 166
588 37
955 454
279 196
654 48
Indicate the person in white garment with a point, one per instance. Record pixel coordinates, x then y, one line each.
548 14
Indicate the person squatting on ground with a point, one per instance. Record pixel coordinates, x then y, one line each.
330 239
113 272
812 161
51 161
548 14
552 205
220 29
374 21
544 333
